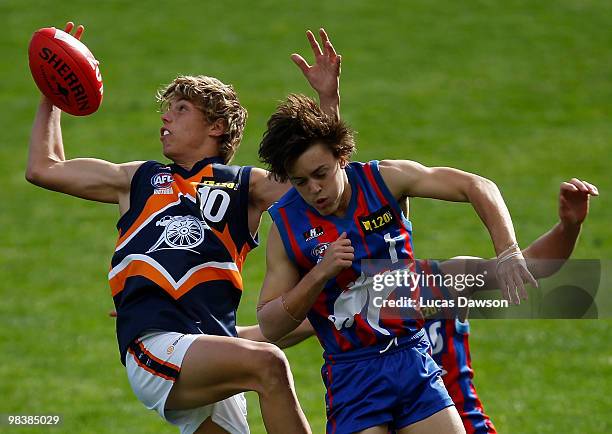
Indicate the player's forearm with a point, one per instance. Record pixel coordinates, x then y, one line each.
491 208
330 104
550 251
46 145
281 315
253 333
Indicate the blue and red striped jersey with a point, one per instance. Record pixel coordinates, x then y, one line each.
180 251
450 348
344 316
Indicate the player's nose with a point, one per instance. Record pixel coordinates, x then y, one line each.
165 117
315 187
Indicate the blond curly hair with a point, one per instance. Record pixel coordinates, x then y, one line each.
216 100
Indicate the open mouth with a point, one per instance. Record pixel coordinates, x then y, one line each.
163 131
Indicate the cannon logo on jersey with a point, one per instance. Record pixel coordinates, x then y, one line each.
162 183
180 232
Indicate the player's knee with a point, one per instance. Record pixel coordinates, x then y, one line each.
272 369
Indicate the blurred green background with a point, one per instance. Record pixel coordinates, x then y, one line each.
516 91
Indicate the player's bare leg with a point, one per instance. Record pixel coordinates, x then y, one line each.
216 367
380 429
209 427
444 421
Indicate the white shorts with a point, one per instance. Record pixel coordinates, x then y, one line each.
153 365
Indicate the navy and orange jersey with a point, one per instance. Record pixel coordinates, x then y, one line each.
178 260
450 349
344 315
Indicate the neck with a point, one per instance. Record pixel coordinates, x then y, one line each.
187 162
345 198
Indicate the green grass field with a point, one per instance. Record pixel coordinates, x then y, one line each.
517 91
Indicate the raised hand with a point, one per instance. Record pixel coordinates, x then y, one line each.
574 201
324 75
79 31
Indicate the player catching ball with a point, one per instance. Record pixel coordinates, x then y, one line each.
184 232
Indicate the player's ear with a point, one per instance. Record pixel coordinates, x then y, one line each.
343 163
218 127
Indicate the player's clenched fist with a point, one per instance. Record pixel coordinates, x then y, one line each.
338 256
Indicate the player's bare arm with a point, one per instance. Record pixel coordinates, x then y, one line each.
324 77
87 178
285 299
549 252
409 178
324 74
253 333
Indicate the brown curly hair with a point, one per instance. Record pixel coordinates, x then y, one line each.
297 124
216 100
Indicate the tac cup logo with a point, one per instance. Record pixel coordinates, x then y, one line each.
180 232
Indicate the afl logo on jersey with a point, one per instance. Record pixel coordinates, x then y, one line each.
319 251
162 183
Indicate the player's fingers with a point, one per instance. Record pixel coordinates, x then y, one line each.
513 288
522 292
592 189
69 27
316 48
528 278
343 243
579 185
79 32
323 35
300 62
329 49
342 236
566 186
503 286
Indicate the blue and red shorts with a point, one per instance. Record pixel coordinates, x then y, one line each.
396 385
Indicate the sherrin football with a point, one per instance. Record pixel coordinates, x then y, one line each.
65 71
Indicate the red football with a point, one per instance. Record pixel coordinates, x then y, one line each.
65 71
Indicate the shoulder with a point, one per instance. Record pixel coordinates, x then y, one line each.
401 175
290 199
130 169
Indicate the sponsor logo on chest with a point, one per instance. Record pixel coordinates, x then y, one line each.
313 233
377 221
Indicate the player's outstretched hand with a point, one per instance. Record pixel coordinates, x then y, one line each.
79 30
338 256
574 201
324 75
512 274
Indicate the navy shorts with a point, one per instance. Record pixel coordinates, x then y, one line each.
396 385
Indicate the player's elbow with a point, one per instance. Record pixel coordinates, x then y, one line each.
35 175
267 326
41 173
480 186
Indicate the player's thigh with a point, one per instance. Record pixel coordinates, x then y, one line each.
209 427
217 367
380 429
444 421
